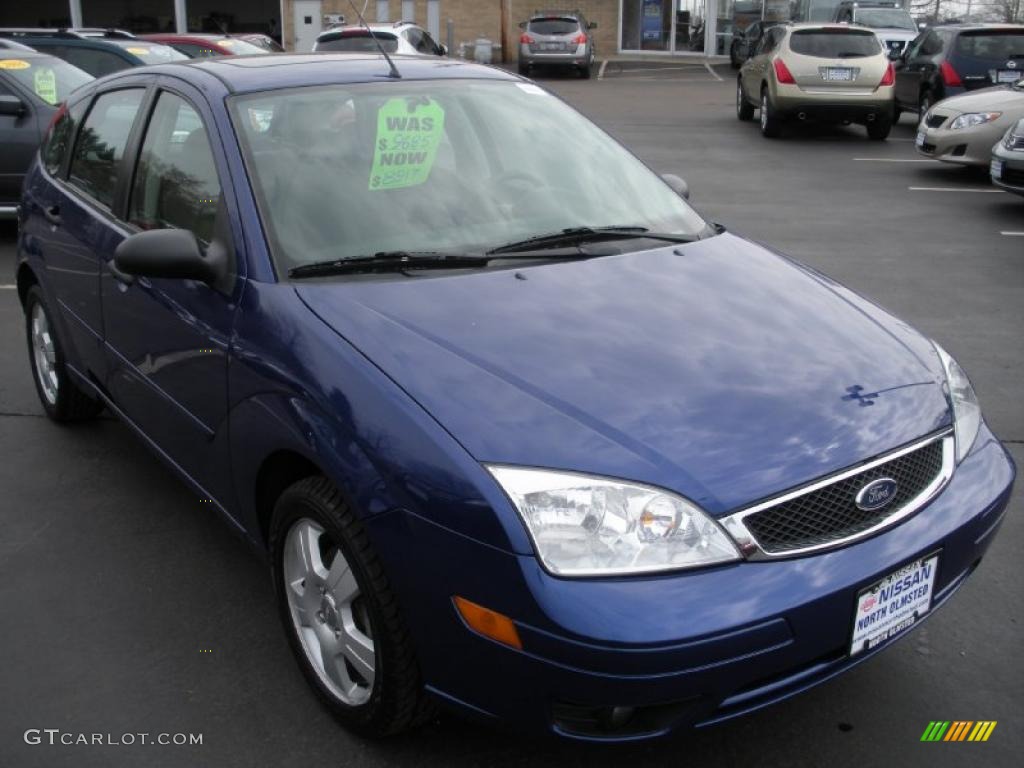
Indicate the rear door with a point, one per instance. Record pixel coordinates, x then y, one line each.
756 68
73 215
167 340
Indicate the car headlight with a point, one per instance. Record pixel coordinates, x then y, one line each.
1014 138
592 526
966 410
972 119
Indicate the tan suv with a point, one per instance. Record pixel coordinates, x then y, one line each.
830 72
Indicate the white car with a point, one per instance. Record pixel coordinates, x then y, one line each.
399 37
893 25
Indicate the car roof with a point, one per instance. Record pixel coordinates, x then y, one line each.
965 27
175 37
272 71
379 26
836 25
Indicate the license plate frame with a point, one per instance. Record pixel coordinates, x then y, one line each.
919 140
1008 76
838 74
995 168
893 622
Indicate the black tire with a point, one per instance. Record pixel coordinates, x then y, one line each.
397 701
524 69
585 71
771 125
744 109
896 113
924 103
734 60
879 129
65 401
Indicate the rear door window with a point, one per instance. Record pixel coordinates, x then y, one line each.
59 139
554 26
96 161
834 43
1000 46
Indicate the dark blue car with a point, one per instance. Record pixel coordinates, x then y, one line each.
518 430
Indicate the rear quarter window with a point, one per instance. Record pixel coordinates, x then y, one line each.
1001 45
554 26
59 138
834 44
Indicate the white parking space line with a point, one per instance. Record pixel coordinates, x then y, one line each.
1012 234
957 189
894 160
600 72
713 73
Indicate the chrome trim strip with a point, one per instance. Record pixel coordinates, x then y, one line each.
8 211
752 550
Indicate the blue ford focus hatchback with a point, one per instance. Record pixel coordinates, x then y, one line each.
518 430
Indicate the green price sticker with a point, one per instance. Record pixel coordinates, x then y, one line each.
409 131
45 83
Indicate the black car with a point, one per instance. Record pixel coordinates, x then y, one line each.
947 60
745 41
32 85
97 51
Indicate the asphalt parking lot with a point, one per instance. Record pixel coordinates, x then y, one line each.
128 608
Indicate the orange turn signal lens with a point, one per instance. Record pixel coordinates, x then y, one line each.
488 623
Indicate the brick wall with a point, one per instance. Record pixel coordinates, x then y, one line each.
475 18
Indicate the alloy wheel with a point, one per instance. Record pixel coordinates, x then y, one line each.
44 355
328 613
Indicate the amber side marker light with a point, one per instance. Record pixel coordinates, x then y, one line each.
488 623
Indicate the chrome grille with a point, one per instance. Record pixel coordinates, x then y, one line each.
825 514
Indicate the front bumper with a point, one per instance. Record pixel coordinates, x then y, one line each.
682 649
966 146
1011 177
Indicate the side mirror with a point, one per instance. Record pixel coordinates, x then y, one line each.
11 105
592 25
679 186
443 49
169 253
522 25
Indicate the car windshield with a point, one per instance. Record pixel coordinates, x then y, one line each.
150 53
554 26
834 43
50 78
885 18
359 41
342 172
991 44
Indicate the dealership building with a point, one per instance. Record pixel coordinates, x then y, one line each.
641 27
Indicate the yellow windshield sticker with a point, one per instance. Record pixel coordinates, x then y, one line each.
14 64
45 83
138 51
409 131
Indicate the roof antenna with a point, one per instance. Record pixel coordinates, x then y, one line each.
393 73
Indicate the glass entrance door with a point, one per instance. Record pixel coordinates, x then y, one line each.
647 25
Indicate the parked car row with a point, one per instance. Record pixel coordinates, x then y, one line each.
842 72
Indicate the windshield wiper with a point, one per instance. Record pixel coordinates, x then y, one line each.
578 235
389 261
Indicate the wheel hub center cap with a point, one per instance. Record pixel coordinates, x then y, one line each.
329 611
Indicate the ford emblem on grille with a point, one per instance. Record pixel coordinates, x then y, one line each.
876 494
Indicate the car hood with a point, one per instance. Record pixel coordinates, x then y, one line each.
995 99
718 369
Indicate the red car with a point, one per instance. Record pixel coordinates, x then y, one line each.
198 45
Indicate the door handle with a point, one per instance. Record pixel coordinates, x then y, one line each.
52 214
